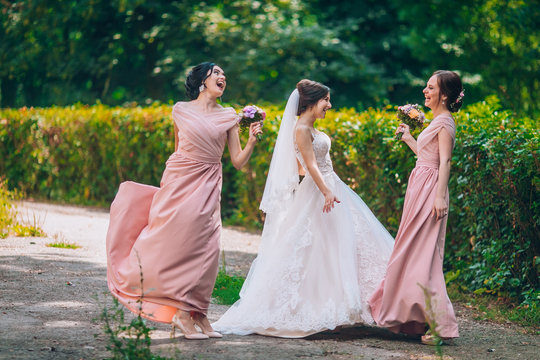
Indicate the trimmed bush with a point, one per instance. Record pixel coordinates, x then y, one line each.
80 154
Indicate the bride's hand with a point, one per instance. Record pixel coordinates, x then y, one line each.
403 128
329 200
254 130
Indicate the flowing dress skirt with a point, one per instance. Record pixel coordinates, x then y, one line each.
163 243
399 303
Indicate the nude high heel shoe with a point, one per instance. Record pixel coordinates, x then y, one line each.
212 334
433 340
176 323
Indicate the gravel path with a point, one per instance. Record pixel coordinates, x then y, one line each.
50 301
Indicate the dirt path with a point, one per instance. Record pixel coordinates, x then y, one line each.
50 300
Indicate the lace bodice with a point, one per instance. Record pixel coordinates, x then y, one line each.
321 148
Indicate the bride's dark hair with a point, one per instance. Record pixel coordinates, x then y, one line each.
310 93
196 78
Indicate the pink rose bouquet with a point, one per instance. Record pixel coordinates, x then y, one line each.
249 115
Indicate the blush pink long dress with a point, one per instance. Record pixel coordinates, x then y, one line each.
171 234
399 302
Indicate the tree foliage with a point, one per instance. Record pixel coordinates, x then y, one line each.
369 52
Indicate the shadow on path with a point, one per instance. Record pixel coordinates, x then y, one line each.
49 306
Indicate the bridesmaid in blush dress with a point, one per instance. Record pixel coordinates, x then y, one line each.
171 234
399 303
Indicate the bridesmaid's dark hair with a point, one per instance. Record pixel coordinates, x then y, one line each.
450 85
310 93
196 78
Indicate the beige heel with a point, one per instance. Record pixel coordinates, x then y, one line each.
176 323
212 334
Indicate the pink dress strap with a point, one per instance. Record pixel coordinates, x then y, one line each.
443 121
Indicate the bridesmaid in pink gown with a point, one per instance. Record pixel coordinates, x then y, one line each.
171 234
399 303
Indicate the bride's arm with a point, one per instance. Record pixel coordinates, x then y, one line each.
301 170
239 156
305 145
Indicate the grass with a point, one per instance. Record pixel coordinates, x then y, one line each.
498 309
29 227
429 312
7 212
125 340
8 216
63 245
21 230
227 288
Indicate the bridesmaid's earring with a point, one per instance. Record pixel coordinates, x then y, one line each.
201 88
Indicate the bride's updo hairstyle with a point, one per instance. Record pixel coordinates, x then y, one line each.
310 93
450 85
196 78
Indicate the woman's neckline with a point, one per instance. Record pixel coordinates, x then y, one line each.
198 111
447 114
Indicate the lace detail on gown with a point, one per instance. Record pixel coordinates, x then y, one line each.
321 148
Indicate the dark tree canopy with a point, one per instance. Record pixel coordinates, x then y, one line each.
370 52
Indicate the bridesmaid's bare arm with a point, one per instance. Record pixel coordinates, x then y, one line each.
239 156
407 138
175 137
440 206
305 145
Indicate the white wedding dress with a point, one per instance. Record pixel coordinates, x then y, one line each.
314 270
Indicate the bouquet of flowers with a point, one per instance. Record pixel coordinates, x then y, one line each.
411 115
249 115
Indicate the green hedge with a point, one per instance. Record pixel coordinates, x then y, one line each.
80 154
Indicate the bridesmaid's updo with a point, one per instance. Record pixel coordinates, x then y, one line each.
196 78
450 85
310 93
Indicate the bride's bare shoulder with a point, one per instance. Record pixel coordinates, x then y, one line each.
303 134
302 129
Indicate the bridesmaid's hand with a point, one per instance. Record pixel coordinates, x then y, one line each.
254 130
404 128
329 200
440 208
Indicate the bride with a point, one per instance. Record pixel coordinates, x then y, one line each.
322 252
